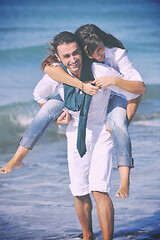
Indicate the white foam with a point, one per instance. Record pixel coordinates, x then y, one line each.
21 120
147 123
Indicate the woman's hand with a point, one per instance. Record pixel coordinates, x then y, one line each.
104 81
64 118
90 89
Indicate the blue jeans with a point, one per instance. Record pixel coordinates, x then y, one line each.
50 111
117 122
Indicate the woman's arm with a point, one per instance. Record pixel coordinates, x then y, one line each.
58 74
135 87
129 79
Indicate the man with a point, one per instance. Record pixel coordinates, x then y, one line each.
92 172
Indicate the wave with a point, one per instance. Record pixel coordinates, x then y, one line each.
145 116
147 123
23 51
14 120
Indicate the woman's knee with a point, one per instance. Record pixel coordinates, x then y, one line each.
117 112
53 108
117 122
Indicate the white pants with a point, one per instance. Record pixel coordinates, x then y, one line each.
93 171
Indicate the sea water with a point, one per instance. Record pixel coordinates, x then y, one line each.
35 201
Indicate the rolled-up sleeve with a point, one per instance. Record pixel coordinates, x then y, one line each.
44 89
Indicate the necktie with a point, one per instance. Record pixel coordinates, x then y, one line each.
76 101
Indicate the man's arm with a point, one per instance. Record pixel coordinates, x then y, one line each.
41 104
64 118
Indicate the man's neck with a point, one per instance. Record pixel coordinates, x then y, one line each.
76 75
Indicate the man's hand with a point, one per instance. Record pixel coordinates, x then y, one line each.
64 118
90 89
108 129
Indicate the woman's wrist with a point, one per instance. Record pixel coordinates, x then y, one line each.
115 81
78 83
108 81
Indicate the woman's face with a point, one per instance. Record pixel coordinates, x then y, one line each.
99 53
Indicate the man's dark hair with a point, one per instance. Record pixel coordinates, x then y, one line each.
59 39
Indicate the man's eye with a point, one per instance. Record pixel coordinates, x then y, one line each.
75 53
66 56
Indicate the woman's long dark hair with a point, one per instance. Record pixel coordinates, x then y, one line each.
90 35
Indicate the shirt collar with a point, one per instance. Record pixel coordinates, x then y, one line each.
107 52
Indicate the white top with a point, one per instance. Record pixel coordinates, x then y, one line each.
118 59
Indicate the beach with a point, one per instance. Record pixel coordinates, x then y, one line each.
35 201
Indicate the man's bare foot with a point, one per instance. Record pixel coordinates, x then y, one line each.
123 192
10 166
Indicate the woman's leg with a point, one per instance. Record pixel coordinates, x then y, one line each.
16 161
117 122
49 112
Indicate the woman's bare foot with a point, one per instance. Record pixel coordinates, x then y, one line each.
16 161
123 191
10 166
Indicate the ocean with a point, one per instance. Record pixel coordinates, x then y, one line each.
35 201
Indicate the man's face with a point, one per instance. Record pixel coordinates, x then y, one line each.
71 57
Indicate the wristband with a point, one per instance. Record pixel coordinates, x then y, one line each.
81 89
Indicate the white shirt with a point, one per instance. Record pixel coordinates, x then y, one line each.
118 59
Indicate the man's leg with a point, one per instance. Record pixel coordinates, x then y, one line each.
99 181
79 182
83 207
105 213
